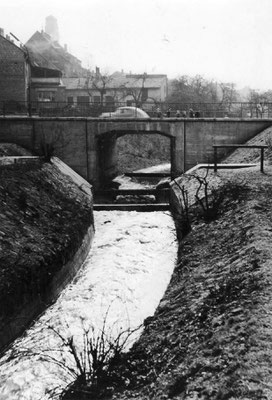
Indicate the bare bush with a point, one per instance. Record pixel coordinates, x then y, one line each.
89 359
211 199
182 217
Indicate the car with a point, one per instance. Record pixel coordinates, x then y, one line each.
126 112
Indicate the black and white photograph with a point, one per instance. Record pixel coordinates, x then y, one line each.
135 200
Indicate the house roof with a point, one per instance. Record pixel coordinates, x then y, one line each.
42 49
11 43
38 60
117 81
41 41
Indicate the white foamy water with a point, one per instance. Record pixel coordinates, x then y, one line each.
124 276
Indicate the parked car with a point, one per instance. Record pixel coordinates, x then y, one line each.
125 112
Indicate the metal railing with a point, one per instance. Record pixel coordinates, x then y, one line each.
154 110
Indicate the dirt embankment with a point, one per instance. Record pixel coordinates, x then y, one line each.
43 219
210 337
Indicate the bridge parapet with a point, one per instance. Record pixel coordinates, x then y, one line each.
76 141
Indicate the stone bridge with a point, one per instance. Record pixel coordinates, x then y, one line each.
88 145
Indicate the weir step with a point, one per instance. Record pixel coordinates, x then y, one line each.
148 174
132 207
135 192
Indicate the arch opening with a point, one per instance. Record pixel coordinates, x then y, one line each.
124 152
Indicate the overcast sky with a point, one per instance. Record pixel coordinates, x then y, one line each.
225 40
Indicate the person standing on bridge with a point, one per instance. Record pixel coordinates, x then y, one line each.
159 113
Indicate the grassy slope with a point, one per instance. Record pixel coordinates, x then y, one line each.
43 218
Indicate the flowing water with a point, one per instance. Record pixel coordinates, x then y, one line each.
120 284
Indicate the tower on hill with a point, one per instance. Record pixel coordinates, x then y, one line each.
51 27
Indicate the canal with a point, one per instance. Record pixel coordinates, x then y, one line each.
120 284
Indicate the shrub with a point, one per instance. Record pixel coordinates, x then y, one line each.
89 360
182 217
213 199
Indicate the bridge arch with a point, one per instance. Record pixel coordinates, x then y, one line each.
108 151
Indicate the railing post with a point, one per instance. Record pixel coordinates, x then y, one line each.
215 159
262 159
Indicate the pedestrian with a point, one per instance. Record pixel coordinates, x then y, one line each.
259 110
197 114
191 113
159 113
168 113
178 114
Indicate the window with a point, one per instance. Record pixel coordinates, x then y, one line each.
144 94
70 100
96 99
83 99
109 99
46 96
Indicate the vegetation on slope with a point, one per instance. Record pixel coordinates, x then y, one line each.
43 218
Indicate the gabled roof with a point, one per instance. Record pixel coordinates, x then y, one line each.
18 49
118 81
38 60
41 41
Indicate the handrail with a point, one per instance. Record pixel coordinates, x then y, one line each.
245 110
244 146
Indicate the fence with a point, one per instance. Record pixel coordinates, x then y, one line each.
154 110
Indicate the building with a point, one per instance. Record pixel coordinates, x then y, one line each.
45 74
26 77
14 75
45 82
43 44
116 89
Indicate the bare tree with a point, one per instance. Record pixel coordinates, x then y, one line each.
229 96
136 89
98 82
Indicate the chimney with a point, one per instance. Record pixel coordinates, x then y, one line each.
1 32
7 37
97 72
